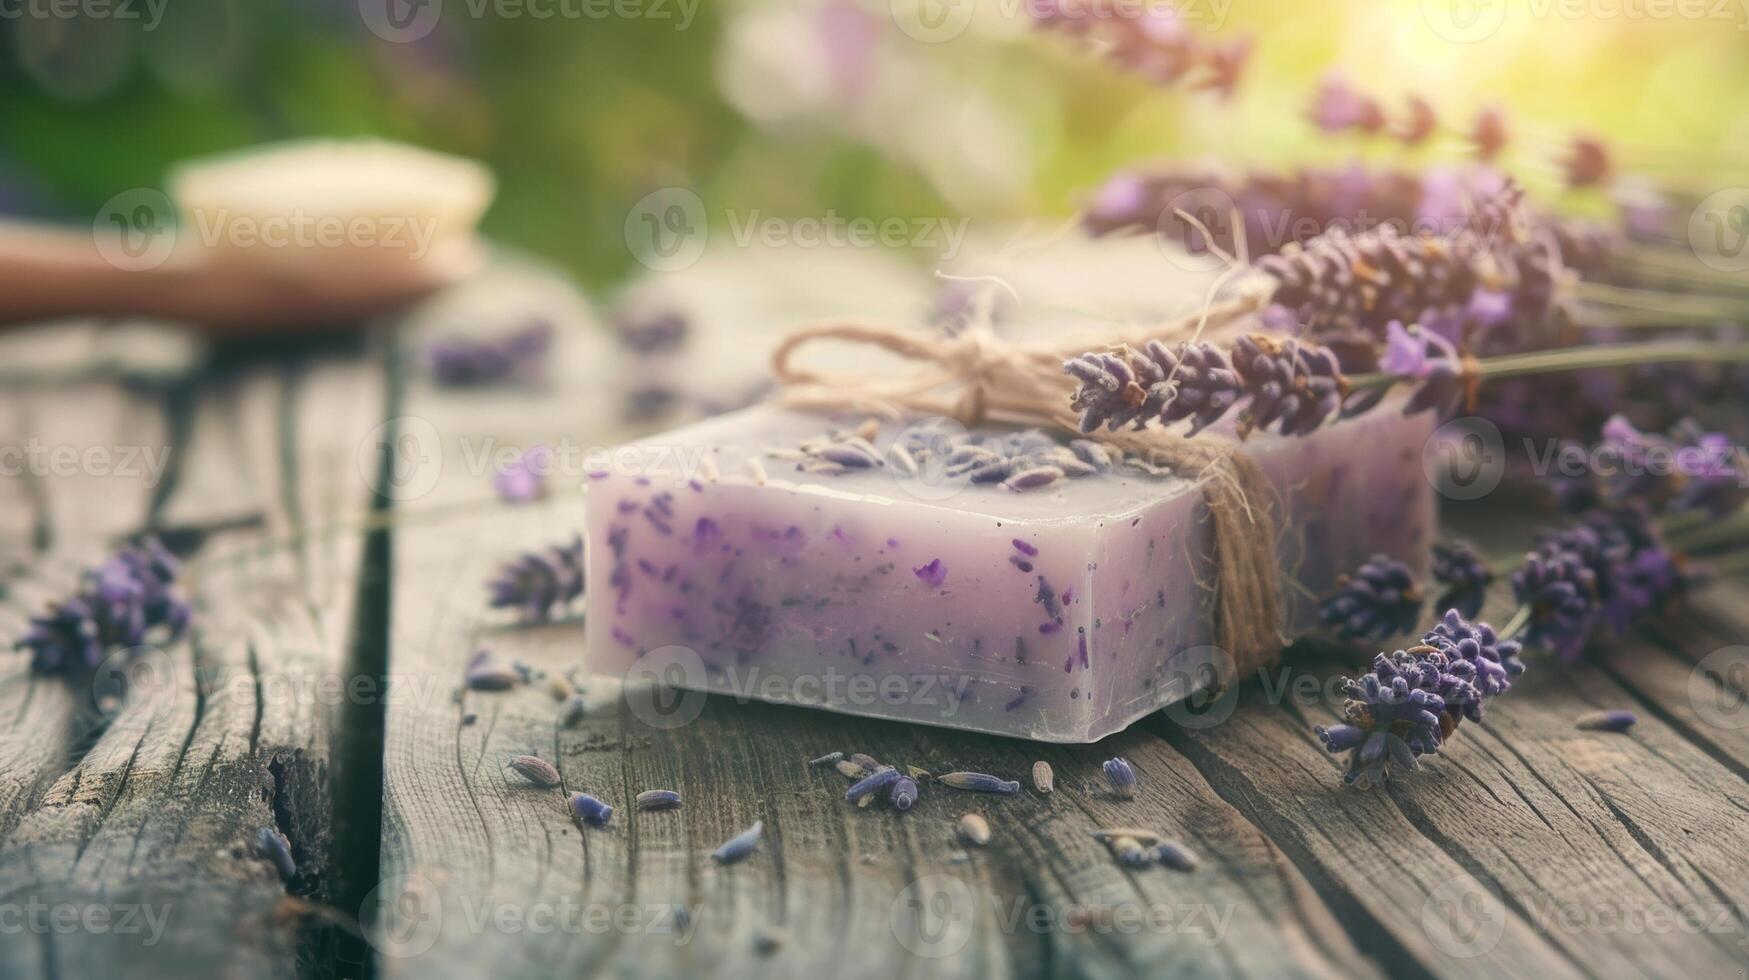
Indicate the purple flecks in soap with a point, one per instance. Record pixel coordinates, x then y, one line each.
623 638
1025 548
627 506
933 574
706 530
1050 627
1020 563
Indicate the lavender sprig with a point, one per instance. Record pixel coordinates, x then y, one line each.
118 604
1465 574
1412 700
1381 598
537 582
466 361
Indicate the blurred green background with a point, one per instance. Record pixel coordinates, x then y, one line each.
797 107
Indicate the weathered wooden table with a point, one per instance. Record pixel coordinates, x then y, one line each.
317 694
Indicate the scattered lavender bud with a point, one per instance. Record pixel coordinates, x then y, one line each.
880 779
535 769
904 793
973 829
979 783
537 582
1120 776
1108 834
1032 479
572 711
768 942
829 759
524 479
1173 856
1618 720
469 718
740 845
590 810
658 799
485 673
273 845
1043 779
1129 851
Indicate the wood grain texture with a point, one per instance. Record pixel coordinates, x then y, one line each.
154 826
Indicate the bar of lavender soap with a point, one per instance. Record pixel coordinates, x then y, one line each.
782 556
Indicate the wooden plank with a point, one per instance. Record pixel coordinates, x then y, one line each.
157 822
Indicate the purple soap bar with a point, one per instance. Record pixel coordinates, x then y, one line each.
998 581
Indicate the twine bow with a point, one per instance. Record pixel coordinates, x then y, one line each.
977 377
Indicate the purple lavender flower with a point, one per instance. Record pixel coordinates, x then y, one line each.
1293 387
1111 394
1558 582
1709 478
651 334
1428 358
118 604
1380 599
1465 574
1394 714
1413 700
1197 383
1120 777
464 361
537 582
933 574
523 479
1337 107
1495 660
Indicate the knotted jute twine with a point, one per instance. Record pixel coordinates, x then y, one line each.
977 377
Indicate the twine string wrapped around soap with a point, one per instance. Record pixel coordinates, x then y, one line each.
976 377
